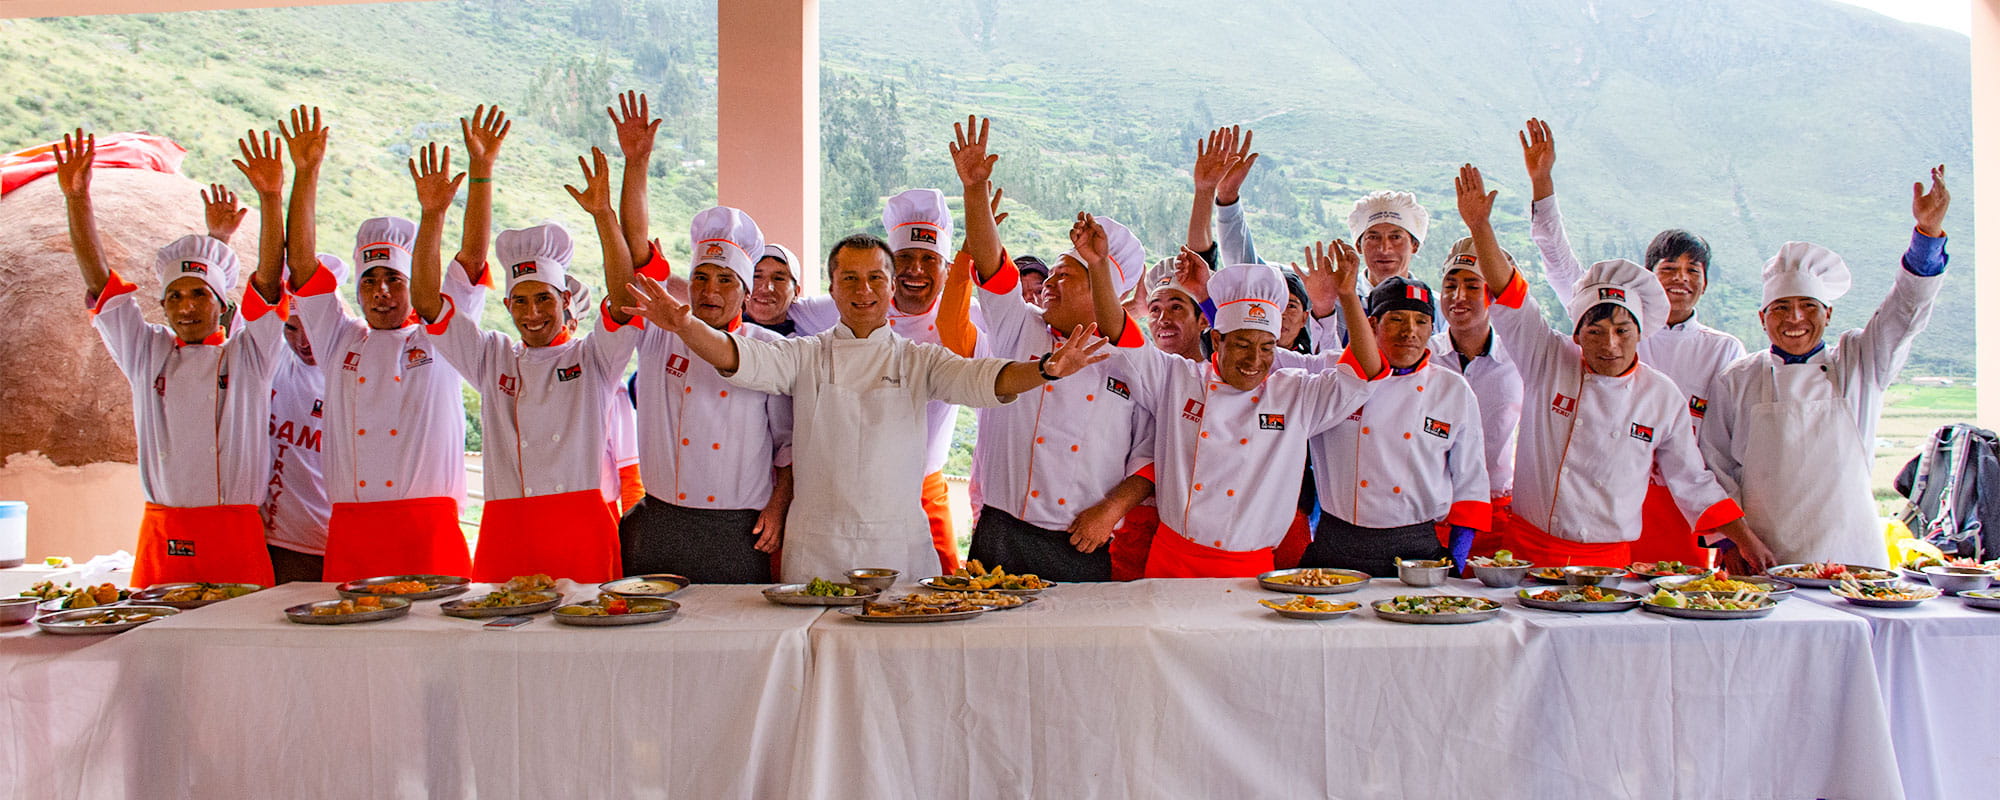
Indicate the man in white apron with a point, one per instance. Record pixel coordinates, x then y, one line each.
857 391
1791 432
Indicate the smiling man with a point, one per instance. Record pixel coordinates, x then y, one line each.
1469 347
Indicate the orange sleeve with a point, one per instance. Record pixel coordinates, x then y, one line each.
443 322
656 266
1516 291
1718 515
321 282
630 490
954 318
1471 514
254 306
114 285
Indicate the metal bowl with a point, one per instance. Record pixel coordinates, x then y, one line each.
1414 574
877 578
441 586
657 585
1952 580
1501 577
1281 581
1593 576
17 610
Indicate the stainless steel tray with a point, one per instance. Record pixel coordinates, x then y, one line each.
935 583
464 609
794 594
1707 613
1877 602
446 586
1435 619
665 610
1626 601
1822 583
392 608
634 585
1265 580
69 623
1986 599
854 613
155 595
1779 590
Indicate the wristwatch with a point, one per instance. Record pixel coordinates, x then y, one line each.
1042 366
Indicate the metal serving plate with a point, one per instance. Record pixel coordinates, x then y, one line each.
69 623
1986 599
464 608
935 584
1822 583
645 585
1537 576
658 609
1025 602
794 594
1315 615
1652 576
1436 619
52 606
1876 602
1626 601
392 607
155 595
1779 590
444 586
854 613
1704 613
1265 580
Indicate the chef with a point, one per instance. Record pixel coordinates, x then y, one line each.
295 506
775 286
1791 432
1175 321
1388 228
715 457
1690 353
620 485
200 397
1598 421
1469 347
854 390
542 398
1230 433
395 435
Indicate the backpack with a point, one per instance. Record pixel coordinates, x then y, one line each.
1953 487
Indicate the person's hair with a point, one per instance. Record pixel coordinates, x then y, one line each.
1674 243
1602 313
861 240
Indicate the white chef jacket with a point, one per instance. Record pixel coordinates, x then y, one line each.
395 417
200 408
541 409
1587 441
295 505
621 425
817 314
1227 463
1059 450
1496 383
706 442
1413 453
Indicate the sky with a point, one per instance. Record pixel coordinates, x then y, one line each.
1953 14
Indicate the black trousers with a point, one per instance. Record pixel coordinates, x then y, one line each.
705 545
292 566
1339 544
1001 540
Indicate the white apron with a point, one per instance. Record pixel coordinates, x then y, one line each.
861 458
1806 489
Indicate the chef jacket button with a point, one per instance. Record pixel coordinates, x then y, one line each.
1035 493
362 379
1039 440
687 388
1364 484
364 484
716 446
681 496
1244 440
1231 493
711 498
1211 386
392 431
1074 448
1254 398
725 393
1218 543
389 483
1197 487
527 492
931 327
557 437
1420 388
1061 502
1406 434
561 487
684 442
1395 490
1364 429
399 379
1089 398
1204 434
361 432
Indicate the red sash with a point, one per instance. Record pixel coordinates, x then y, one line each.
418 536
1131 541
937 506
1665 535
1175 556
216 544
1529 543
1485 543
570 535
1297 537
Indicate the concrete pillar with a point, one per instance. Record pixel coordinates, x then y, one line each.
1986 215
767 121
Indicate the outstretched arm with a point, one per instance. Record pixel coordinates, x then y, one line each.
74 157
1211 162
651 301
595 197
1087 236
1338 266
483 135
1079 351
636 128
436 186
975 173
265 168
305 139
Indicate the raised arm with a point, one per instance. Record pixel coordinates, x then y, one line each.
483 134
221 212
1237 245
305 139
975 174
651 301
1338 266
1475 208
595 198
636 128
74 157
264 167
436 186
1883 344
1211 162
1086 235
1538 151
1079 351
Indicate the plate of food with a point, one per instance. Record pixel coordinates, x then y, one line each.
1313 580
191 595
68 597
1882 595
1436 609
1709 605
656 585
1986 599
1648 570
1549 575
1305 606
1913 570
1722 581
1827 573
993 601
1582 599
523 594
1499 570
407 587
820 592
975 577
98 620
612 610
349 610
901 611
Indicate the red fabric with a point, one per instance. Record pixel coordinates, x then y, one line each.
216 544
630 490
1289 551
1175 556
418 536
937 506
1514 293
1470 514
1529 543
1666 535
1131 541
1484 543
570 535
114 151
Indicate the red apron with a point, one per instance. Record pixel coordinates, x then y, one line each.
1529 543
216 544
570 535
1665 535
630 489
1174 556
418 536
1131 541
937 506
1294 545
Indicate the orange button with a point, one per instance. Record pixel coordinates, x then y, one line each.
687 388
1244 440
1218 543
1364 484
684 442
399 379
1364 429
1396 489
1204 434
716 446
1197 487
1406 434
364 483
1035 493
362 379
1048 387
682 496
711 498
361 432
1231 493
1038 440
392 431
1254 398
1420 388
1090 398
725 393
1072 448
388 483
1061 502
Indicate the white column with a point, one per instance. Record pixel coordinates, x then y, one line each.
767 121
1986 215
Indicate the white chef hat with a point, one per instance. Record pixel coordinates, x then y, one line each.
727 237
579 299
1464 256
1622 283
384 242
918 218
197 256
540 253
1248 297
1127 255
1804 269
782 253
1396 208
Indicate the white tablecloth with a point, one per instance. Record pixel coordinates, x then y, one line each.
1190 689
1936 664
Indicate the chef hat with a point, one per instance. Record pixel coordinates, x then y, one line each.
1464 257
1622 283
782 253
384 242
1160 278
1804 269
197 256
540 253
1027 264
918 218
1127 256
1248 297
579 299
1396 208
727 237
1398 293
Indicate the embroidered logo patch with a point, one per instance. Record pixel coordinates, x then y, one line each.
677 364
1257 312
1437 428
523 268
375 254
318 406
1697 406
1563 404
1117 387
1642 432
510 385
352 363
415 357
569 373
1464 260
1610 293
713 250
180 547
1356 416
924 235
1192 411
1271 422
160 385
195 267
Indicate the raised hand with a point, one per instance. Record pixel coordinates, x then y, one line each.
1079 351
651 301
1211 158
1929 207
633 121
1538 151
998 215
261 163
305 137
1475 204
1330 271
74 157
1192 272
968 151
483 134
595 197
1236 167
220 210
430 168
1087 236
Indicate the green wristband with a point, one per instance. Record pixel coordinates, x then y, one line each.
482 180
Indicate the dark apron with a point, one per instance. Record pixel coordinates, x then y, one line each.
1338 544
705 545
1001 540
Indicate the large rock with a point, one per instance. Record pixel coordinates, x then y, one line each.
59 391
